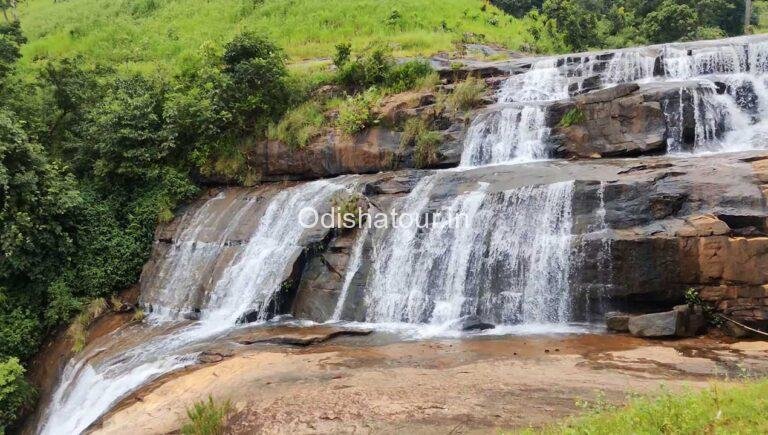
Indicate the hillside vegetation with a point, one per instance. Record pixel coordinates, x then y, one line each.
162 33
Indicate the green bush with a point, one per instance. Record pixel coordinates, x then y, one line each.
356 113
376 67
573 116
466 95
577 22
15 392
343 51
517 8
255 90
300 125
207 418
409 75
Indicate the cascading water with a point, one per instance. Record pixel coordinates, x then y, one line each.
515 131
93 382
502 256
723 85
629 66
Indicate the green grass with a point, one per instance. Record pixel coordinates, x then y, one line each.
145 35
207 418
720 409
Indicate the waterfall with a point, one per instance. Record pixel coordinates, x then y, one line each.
247 283
507 261
515 131
629 66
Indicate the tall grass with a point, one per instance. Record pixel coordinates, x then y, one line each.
161 34
722 408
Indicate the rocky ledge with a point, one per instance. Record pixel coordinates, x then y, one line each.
672 224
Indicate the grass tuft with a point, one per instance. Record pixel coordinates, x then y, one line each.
207 418
299 126
466 95
78 330
721 408
425 142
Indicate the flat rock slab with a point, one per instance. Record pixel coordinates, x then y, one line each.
430 386
293 336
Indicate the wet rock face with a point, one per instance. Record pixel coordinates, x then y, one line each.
613 122
645 232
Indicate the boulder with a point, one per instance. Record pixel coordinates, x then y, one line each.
473 323
617 321
681 321
703 225
694 320
656 325
617 121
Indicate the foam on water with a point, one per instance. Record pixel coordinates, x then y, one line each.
519 240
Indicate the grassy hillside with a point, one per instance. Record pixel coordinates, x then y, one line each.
147 33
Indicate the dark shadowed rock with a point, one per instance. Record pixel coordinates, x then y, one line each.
473 323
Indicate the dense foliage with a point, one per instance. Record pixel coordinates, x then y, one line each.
90 161
584 24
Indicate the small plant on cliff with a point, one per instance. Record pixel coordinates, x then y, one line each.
299 126
693 299
207 418
573 116
356 113
78 331
425 152
425 142
138 316
348 210
466 95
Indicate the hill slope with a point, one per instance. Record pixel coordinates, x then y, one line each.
147 33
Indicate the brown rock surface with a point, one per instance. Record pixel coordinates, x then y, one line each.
617 121
401 387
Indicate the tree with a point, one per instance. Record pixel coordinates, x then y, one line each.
579 26
256 91
11 40
38 201
670 22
